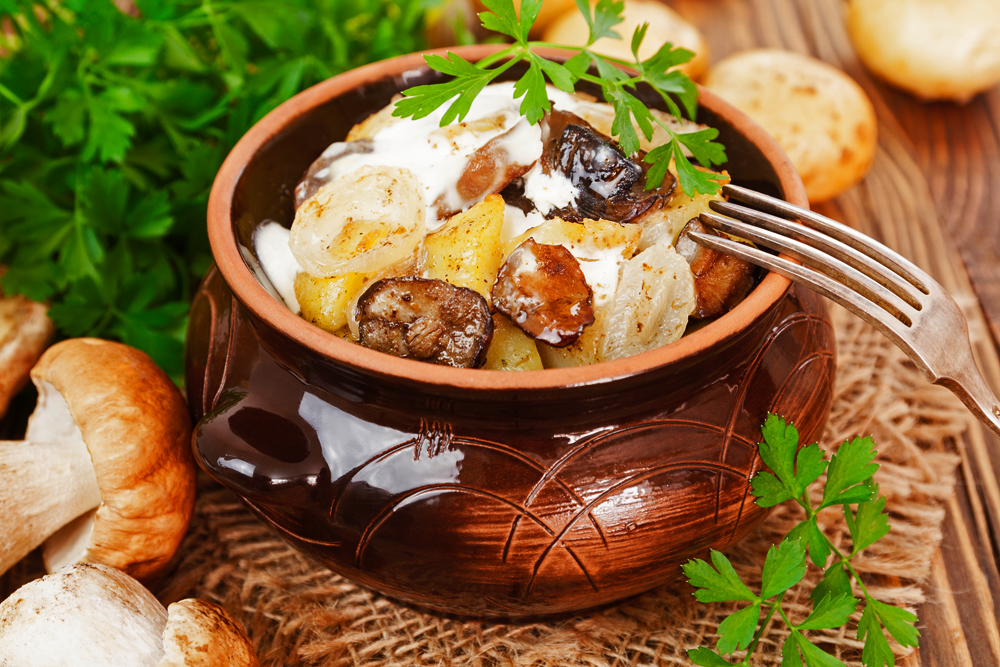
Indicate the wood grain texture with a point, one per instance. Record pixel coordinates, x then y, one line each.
931 195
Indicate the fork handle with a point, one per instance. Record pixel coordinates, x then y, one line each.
972 389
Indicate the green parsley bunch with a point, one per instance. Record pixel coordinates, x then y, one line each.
616 85
112 128
849 488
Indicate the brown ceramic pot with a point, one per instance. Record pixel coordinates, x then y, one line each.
483 492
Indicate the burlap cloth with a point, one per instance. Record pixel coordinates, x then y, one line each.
299 613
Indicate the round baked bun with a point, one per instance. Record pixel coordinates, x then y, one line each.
818 115
551 9
936 49
665 25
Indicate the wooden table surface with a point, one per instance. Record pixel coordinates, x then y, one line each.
931 195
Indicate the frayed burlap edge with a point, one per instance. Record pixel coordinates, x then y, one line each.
298 613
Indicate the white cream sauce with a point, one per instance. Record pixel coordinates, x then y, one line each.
438 155
270 240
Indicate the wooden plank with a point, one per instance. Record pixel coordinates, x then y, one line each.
958 148
930 194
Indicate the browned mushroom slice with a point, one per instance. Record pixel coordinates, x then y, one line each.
319 173
430 320
491 167
541 288
609 185
720 281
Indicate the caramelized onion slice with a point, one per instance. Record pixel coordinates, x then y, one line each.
424 319
654 298
319 173
720 281
543 291
360 223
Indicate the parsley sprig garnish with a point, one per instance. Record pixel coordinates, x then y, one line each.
112 128
617 86
849 488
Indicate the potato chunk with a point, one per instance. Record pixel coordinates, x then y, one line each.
324 300
466 252
511 349
654 299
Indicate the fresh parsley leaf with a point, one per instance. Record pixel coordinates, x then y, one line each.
502 18
704 148
528 14
561 76
691 178
832 611
850 467
736 630
68 116
812 537
719 584
777 451
658 71
876 651
637 38
849 482
870 523
136 45
113 128
705 657
836 581
784 567
110 133
814 655
421 101
790 656
531 86
578 64
659 158
899 622
607 14
793 472
621 126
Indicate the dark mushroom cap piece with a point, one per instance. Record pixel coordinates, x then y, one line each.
609 185
542 289
721 281
425 319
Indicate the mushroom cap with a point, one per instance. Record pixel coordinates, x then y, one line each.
25 330
86 615
203 634
137 428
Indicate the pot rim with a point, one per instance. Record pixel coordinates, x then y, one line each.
279 318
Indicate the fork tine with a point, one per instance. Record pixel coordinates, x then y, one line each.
814 280
842 233
845 275
845 253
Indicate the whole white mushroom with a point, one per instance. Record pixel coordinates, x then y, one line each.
105 473
89 615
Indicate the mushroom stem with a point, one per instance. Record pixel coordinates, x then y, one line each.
46 486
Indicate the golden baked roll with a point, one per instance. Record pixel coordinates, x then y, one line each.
934 49
820 116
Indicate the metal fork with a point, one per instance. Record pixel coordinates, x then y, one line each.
864 276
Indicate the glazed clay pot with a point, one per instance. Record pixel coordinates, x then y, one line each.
478 492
